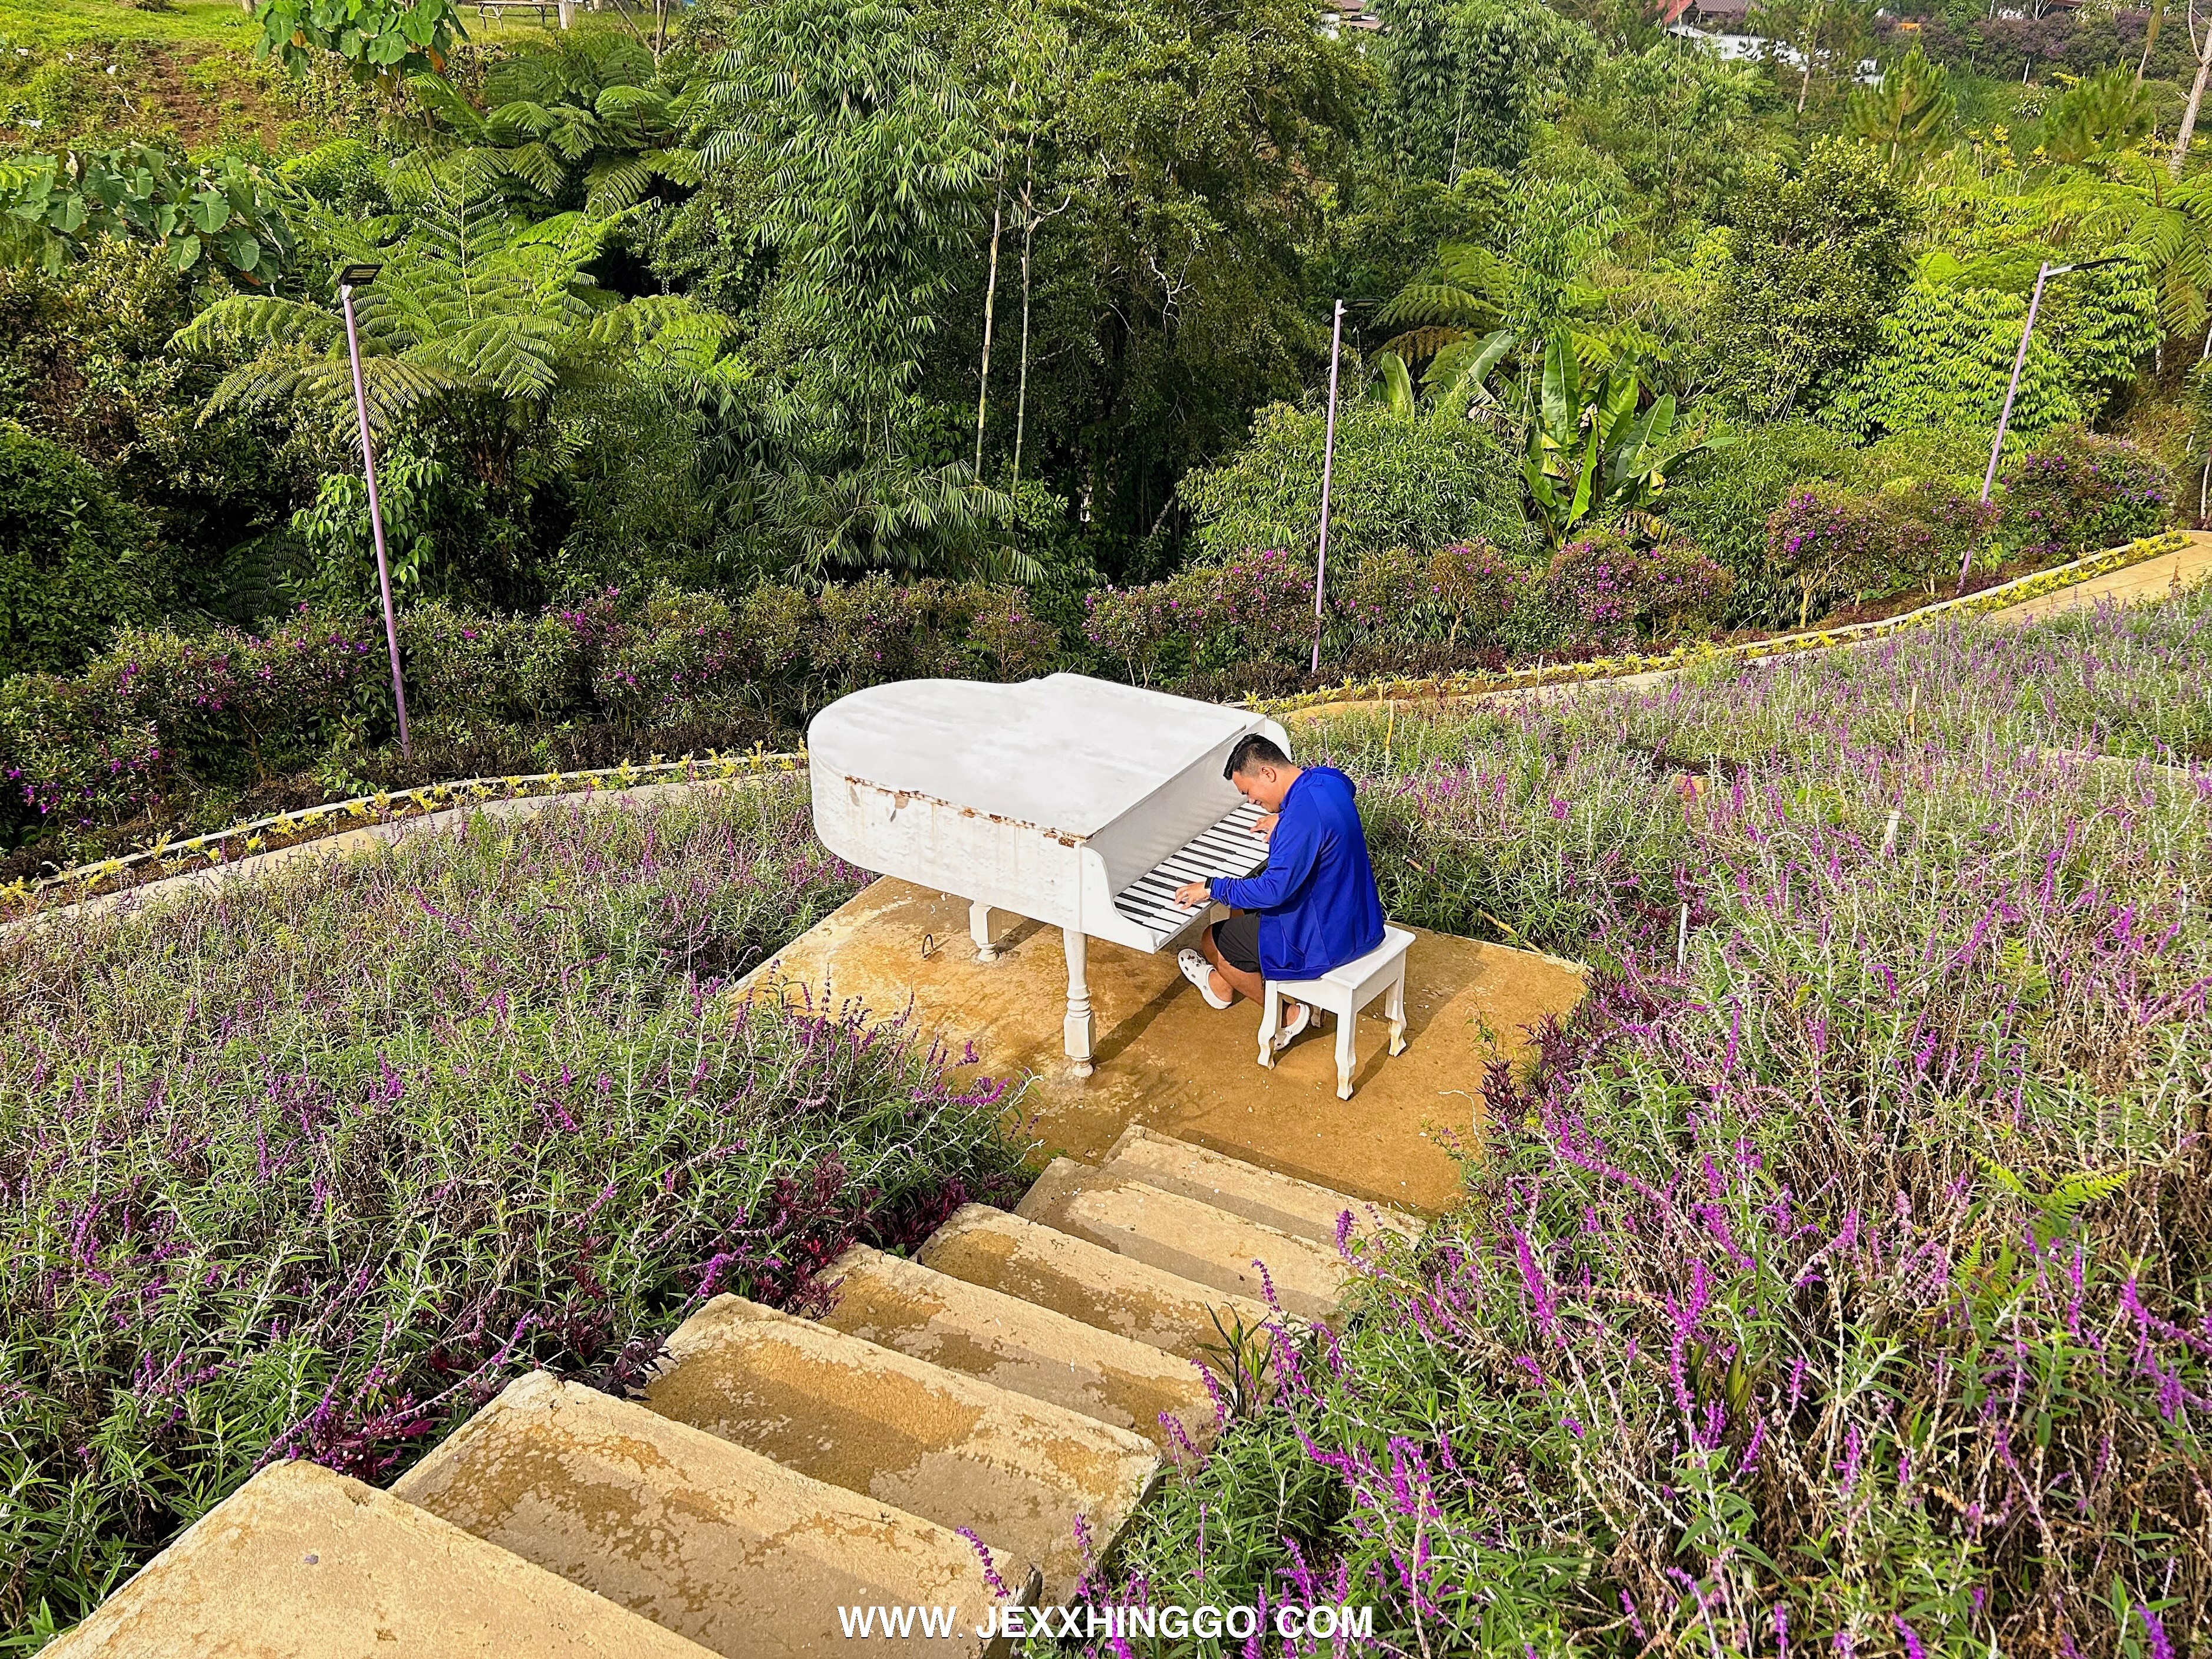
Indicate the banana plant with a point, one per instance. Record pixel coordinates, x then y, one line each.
1590 451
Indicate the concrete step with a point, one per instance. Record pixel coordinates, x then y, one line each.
702 1537
302 1564
1021 1473
1017 1345
1281 1201
1085 1281
1186 1237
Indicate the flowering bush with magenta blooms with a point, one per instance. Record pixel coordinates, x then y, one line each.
164 720
1478 588
1255 608
314 1165
2077 492
1830 541
1832 1281
1615 591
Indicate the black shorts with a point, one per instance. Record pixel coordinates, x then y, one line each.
1239 940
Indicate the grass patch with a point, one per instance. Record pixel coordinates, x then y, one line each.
315 1165
196 22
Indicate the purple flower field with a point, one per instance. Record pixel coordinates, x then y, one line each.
317 1165
1835 1282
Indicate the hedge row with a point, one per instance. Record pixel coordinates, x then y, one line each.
160 715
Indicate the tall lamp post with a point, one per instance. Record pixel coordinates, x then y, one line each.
351 277
1328 461
2043 273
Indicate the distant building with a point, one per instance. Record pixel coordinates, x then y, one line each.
1357 16
1731 47
1717 16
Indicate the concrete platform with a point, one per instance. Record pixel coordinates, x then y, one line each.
302 1564
747 1558
942 1444
1168 1061
1016 1345
1087 1282
1186 1237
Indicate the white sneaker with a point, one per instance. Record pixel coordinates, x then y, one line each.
1296 1024
1199 972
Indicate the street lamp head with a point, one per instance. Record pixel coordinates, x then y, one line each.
359 276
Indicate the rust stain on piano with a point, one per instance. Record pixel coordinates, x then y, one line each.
1168 1061
900 799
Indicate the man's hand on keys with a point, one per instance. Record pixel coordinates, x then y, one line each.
1264 825
1192 894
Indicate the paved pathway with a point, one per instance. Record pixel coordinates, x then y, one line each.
355 840
2139 583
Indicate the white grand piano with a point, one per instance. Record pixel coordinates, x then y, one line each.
1079 803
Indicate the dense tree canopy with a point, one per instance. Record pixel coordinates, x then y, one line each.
733 296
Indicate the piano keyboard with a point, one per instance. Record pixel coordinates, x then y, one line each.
1229 848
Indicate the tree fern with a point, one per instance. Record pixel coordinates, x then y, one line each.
474 302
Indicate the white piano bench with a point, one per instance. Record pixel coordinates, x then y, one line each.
1344 991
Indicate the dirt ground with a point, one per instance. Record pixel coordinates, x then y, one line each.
1167 1060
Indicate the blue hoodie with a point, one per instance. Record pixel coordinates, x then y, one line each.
1317 899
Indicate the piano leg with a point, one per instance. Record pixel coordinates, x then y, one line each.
1078 1026
979 929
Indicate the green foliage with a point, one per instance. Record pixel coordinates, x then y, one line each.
1909 114
2095 119
165 726
1395 482
590 123
1249 613
1481 306
345 176
1816 258
222 212
85 360
424 508
1720 502
1479 589
476 305
486 344
1592 451
1618 593
2165 222
1466 79
75 564
1943 358
870 158
1834 542
1682 126
2077 492
2104 323
377 39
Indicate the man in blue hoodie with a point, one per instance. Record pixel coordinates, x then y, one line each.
1314 908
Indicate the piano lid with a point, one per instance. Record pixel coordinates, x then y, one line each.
1066 753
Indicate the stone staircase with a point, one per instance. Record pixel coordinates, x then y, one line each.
981 1420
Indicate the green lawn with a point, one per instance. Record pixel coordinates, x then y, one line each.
64 22
209 23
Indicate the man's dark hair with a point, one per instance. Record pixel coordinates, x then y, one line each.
1253 750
